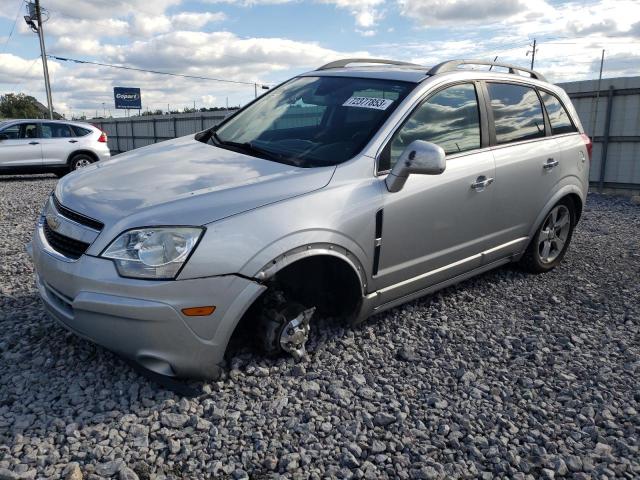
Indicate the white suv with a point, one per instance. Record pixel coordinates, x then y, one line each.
37 146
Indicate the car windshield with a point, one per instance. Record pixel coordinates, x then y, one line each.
313 121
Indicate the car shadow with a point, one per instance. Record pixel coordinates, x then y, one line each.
26 178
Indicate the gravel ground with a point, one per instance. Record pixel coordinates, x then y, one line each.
507 375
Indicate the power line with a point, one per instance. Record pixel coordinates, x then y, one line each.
124 67
13 27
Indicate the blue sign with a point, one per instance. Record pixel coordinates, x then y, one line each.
127 98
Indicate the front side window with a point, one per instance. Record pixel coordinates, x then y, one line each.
56 130
12 132
558 117
517 112
313 121
449 118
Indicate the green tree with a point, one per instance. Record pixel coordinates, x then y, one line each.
19 106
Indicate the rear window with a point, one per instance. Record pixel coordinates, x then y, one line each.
558 117
80 131
517 112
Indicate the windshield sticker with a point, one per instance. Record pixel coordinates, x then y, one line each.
368 102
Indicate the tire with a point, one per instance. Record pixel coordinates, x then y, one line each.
551 241
80 160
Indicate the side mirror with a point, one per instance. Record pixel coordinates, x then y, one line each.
420 157
4 136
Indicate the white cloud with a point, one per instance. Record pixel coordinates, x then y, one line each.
366 13
98 9
194 20
454 12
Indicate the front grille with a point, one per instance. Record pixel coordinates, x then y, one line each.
77 217
67 246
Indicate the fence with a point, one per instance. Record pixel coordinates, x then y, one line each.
615 109
134 132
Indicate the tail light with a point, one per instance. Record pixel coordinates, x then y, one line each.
589 144
103 139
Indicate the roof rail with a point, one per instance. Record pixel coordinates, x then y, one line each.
452 65
346 61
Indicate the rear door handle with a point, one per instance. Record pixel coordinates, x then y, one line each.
73 141
481 183
550 164
34 143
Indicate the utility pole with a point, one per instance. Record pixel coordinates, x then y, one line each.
35 11
255 90
594 105
533 53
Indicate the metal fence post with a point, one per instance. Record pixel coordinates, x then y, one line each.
175 127
155 136
133 137
117 137
201 122
605 139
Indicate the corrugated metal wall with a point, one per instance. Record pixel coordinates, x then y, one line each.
135 132
617 128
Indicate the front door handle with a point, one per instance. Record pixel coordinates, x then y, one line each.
481 183
34 143
550 164
73 141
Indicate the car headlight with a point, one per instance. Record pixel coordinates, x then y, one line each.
156 253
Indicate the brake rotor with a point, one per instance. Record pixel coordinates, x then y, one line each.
295 334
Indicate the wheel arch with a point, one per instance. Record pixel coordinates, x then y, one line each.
81 152
571 192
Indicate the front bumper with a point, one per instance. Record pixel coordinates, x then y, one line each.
142 319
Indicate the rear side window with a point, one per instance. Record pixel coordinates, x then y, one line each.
449 119
517 112
56 130
79 131
558 117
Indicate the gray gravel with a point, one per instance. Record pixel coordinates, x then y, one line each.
505 376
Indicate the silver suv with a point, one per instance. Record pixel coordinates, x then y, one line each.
37 146
343 192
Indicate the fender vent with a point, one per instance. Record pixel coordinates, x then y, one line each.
378 242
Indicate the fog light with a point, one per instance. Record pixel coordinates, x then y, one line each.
199 311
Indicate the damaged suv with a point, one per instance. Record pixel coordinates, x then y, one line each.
343 192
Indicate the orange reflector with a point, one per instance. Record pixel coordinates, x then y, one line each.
199 311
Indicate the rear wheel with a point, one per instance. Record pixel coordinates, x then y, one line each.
80 161
551 241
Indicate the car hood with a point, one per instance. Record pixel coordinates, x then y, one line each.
182 182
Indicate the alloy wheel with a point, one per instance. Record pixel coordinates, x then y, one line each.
554 233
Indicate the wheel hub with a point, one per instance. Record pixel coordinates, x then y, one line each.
295 334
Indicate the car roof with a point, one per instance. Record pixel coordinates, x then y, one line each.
41 120
404 74
399 71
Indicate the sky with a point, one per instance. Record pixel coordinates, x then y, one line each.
269 41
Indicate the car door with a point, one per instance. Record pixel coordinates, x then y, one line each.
22 148
58 141
437 226
527 161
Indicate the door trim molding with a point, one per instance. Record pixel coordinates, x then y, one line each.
431 273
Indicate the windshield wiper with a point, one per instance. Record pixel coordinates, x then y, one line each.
251 148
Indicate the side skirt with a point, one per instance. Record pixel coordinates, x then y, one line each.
370 307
